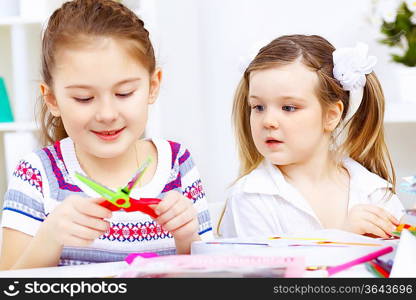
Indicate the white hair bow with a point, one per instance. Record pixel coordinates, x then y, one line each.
350 67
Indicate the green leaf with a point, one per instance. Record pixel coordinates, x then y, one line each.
401 30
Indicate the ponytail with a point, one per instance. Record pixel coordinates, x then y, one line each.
365 141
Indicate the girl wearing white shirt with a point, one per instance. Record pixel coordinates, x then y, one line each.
309 126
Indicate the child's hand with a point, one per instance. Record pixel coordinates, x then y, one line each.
177 215
370 219
77 221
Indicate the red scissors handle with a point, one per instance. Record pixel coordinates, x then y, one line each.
109 205
143 205
136 205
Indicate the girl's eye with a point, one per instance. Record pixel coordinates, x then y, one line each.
124 95
83 99
258 108
289 108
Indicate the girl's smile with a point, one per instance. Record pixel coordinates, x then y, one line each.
108 135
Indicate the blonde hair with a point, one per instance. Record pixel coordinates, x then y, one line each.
364 140
72 24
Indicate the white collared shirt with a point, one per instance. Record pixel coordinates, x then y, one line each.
263 203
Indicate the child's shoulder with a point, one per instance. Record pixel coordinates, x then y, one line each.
56 152
31 170
363 177
35 157
177 151
48 157
258 181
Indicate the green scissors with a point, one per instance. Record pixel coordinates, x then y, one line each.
120 199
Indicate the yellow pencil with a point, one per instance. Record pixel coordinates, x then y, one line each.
295 238
347 243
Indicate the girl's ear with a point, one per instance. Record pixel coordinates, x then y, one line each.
333 116
155 81
50 100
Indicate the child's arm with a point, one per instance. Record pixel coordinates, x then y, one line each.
76 221
186 214
20 250
177 215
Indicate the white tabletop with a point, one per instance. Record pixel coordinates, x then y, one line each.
100 270
315 256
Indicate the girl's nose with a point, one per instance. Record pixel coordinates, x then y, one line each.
270 121
107 111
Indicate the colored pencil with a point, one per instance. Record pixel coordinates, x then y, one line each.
357 261
386 265
316 245
371 269
382 273
237 243
295 238
346 243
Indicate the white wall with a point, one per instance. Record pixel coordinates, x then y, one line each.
200 45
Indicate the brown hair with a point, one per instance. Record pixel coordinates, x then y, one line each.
364 140
78 21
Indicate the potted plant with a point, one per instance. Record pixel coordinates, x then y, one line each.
398 29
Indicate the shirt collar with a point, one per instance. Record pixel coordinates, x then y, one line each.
268 179
264 180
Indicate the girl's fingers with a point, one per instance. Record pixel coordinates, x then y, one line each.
381 224
384 215
172 213
91 222
170 200
374 229
92 207
180 220
83 232
187 229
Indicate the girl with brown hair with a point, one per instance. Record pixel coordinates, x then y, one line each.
309 125
99 77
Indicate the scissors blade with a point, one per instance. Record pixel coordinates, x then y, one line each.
99 188
139 174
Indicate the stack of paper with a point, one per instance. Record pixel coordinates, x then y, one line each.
319 248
